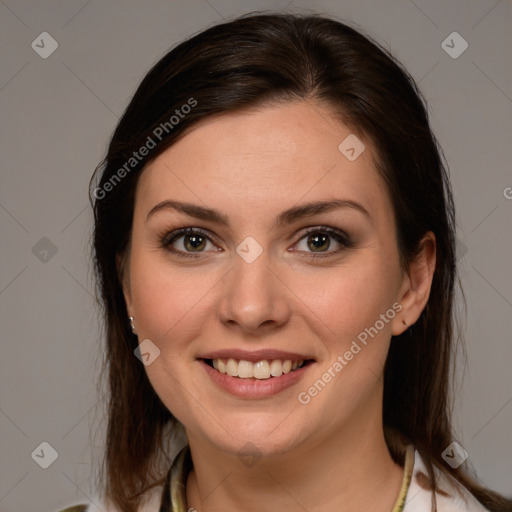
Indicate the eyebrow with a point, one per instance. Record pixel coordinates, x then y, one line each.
287 217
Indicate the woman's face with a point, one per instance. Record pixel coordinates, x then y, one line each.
273 271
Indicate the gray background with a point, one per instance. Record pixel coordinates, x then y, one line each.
57 115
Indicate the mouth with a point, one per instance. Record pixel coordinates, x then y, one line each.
257 374
261 370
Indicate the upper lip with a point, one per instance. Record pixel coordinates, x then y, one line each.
255 356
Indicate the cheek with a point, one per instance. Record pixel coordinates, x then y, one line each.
349 299
170 304
354 314
162 299
169 308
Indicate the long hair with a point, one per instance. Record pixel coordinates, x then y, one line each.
248 62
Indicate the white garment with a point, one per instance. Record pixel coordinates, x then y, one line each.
419 499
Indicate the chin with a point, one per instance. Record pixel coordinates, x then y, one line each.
266 436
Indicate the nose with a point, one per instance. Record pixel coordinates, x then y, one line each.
253 298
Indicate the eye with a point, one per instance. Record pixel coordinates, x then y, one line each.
316 242
319 240
187 241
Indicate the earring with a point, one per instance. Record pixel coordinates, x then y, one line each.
132 325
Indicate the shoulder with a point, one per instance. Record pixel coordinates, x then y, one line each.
76 508
451 496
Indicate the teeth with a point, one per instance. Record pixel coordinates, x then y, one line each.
276 368
245 370
261 370
232 368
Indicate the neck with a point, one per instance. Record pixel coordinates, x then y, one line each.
350 469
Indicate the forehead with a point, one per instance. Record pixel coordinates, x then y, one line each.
260 158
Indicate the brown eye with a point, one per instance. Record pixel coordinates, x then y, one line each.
319 242
323 241
188 242
194 242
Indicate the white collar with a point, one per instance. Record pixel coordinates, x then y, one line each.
455 498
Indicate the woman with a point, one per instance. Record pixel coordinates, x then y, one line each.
274 241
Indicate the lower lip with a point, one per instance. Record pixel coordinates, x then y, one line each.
254 388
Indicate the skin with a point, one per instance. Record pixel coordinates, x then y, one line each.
330 454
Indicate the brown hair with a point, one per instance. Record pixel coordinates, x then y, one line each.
248 62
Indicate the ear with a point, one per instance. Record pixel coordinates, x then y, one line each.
122 265
416 283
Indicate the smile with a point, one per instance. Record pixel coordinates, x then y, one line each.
264 369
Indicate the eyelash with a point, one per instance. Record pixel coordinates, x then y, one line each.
339 236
